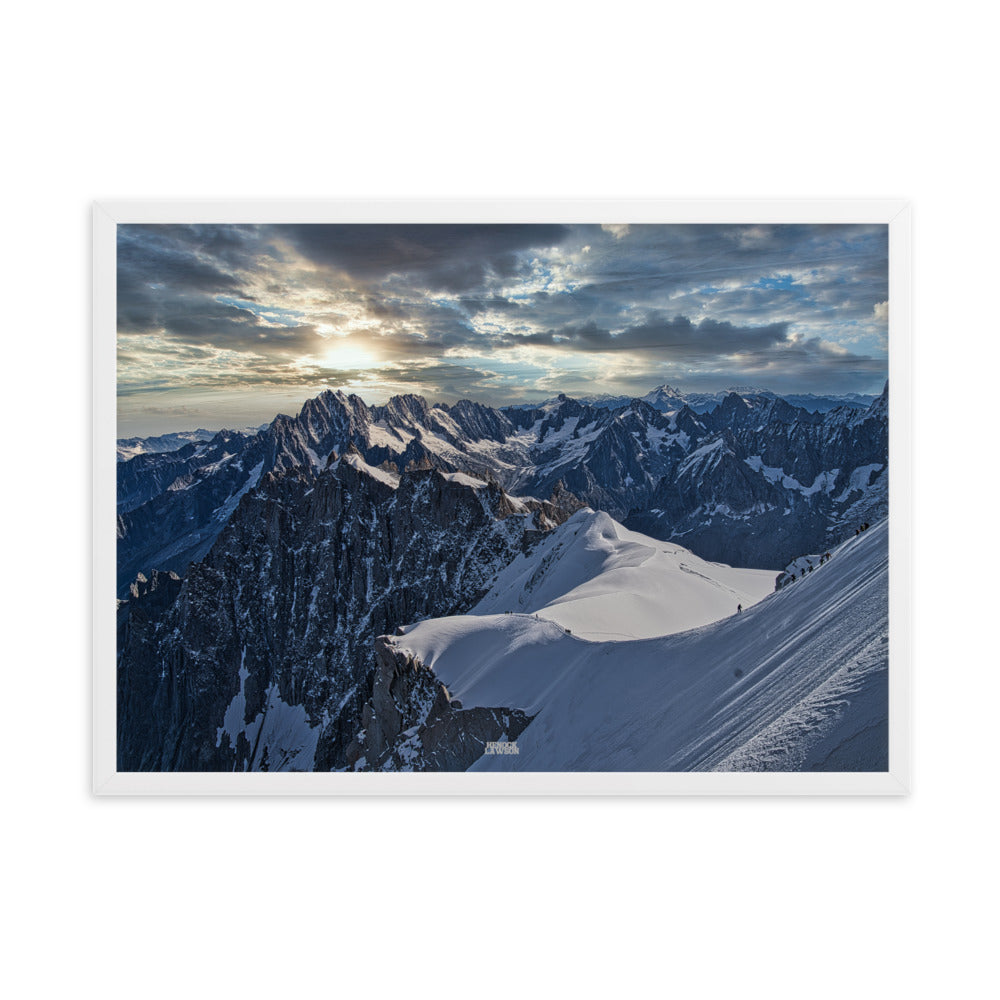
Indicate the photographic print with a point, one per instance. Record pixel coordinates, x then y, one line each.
465 497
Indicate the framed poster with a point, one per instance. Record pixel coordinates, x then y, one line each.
496 497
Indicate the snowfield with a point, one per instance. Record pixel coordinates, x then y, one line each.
799 681
600 580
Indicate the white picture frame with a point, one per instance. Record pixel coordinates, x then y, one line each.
896 214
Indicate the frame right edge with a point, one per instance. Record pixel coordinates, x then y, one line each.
900 497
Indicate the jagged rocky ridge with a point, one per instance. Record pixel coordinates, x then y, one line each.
177 525
413 724
754 481
263 656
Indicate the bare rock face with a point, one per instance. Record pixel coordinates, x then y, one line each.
148 597
413 724
265 652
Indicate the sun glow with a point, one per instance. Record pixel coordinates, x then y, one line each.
346 357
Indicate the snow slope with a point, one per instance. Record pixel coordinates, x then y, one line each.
797 682
600 580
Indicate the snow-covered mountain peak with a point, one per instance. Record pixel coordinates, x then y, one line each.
664 396
596 578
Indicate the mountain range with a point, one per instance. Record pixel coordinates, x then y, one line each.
127 448
665 397
258 570
754 482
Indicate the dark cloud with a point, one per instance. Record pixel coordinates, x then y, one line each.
668 258
473 305
162 277
676 338
175 280
233 246
454 258
450 381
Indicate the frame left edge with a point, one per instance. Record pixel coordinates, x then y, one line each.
104 428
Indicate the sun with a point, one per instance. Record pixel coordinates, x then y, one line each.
346 357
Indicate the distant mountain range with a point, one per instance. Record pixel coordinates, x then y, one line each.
666 398
130 447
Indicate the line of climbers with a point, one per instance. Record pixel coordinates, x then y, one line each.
791 577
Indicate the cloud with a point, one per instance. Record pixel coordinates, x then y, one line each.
501 311
752 237
454 258
676 338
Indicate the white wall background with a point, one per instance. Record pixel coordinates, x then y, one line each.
494 898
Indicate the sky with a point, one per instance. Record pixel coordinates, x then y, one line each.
228 325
